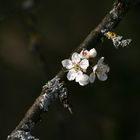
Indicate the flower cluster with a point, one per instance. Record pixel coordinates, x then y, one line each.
78 65
117 40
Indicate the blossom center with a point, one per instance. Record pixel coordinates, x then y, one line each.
77 67
84 53
100 69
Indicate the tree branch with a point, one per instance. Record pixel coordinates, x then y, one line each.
55 88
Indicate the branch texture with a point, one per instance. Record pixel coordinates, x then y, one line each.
55 88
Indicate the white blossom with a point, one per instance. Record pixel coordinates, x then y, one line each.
83 80
101 70
88 54
76 68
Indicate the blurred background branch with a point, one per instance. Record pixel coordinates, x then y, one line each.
110 21
55 29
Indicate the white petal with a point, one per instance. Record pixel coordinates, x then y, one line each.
84 80
71 75
75 58
104 68
78 76
92 77
100 61
93 53
102 77
107 69
67 64
84 64
95 68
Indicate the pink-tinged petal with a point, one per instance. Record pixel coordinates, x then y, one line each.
78 76
75 58
84 54
71 75
67 64
102 77
84 80
100 61
92 77
93 53
84 64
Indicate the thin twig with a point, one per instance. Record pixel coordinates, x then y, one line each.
55 88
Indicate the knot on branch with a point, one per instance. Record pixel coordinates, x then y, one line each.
21 135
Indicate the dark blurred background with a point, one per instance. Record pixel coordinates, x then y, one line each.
35 35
